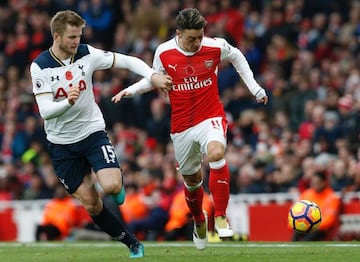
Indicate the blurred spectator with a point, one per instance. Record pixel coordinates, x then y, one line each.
239 104
240 178
349 114
36 188
298 98
16 48
228 21
330 205
40 38
145 24
339 176
180 225
284 178
326 135
258 182
121 43
252 53
313 118
99 18
133 209
157 195
12 182
4 191
308 168
354 172
157 125
59 217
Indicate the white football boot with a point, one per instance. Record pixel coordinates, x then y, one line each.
200 234
222 227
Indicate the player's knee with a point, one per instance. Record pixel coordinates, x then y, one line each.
215 154
112 185
193 180
110 181
112 189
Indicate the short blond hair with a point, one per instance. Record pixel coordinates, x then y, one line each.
62 18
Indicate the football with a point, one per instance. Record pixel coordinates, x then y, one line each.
304 216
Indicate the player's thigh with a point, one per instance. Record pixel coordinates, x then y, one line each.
87 193
69 166
187 152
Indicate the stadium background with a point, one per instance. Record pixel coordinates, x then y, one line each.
304 53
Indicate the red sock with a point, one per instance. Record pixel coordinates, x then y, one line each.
194 202
219 186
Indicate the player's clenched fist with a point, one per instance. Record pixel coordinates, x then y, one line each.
73 94
161 81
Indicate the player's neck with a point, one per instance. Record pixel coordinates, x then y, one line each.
60 54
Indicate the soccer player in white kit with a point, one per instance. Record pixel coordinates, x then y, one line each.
198 123
75 127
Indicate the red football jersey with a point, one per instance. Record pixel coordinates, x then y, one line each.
194 96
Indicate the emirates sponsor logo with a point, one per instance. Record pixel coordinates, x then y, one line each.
192 83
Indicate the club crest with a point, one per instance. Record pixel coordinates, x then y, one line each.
209 63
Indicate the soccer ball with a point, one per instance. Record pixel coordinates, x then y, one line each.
304 216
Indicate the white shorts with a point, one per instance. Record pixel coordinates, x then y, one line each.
191 144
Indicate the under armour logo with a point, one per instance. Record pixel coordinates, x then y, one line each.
81 67
173 67
53 78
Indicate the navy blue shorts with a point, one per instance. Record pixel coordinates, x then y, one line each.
73 162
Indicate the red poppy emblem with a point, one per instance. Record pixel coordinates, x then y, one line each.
190 70
68 75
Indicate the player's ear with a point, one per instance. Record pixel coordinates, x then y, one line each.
178 33
56 36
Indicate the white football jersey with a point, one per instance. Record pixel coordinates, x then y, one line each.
51 75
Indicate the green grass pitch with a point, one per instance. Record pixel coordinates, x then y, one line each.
108 251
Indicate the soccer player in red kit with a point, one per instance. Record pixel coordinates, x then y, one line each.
198 123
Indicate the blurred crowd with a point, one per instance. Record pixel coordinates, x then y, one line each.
305 53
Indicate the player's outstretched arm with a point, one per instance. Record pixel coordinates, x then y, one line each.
140 87
139 67
160 81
